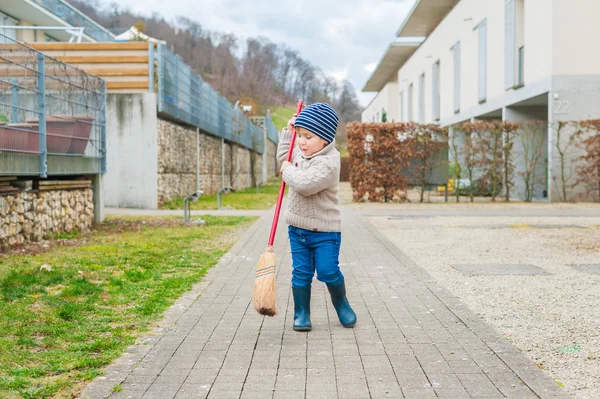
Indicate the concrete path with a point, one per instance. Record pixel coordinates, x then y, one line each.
413 339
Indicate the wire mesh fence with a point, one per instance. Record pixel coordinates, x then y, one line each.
52 115
184 96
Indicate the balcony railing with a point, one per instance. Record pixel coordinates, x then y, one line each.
75 17
52 115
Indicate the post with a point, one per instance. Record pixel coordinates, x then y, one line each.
14 118
176 84
102 126
161 69
151 67
197 159
98 191
42 114
264 155
222 162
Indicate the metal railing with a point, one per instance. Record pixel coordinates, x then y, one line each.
76 33
52 115
185 97
75 17
272 132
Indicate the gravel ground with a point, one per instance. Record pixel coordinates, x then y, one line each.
555 318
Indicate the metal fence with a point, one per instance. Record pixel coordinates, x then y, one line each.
272 132
184 96
76 18
52 115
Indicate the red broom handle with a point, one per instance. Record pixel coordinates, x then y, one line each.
282 187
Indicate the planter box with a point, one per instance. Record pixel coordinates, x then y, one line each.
81 134
12 139
25 134
59 133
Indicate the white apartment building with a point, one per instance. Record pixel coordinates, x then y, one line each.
50 21
509 60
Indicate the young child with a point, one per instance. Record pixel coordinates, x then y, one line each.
313 213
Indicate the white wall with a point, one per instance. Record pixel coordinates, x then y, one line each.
538 40
576 36
388 99
131 180
458 26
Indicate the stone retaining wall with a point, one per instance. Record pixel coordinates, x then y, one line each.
34 216
177 162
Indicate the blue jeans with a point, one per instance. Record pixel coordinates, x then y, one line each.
315 250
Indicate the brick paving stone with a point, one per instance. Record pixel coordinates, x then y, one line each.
452 393
411 393
413 339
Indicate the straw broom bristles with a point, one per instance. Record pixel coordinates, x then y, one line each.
263 295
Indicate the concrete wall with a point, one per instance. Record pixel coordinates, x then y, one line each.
531 139
573 98
388 99
177 162
131 144
151 160
575 89
271 156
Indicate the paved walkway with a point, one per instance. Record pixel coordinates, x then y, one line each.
413 339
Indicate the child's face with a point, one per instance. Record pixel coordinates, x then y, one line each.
309 142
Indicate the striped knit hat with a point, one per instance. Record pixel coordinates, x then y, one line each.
320 119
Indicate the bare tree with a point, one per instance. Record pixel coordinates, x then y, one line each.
564 150
532 143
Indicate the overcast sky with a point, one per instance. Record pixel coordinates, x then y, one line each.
345 38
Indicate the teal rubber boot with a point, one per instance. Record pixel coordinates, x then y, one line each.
342 306
301 308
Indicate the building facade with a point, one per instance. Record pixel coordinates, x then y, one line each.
510 60
50 21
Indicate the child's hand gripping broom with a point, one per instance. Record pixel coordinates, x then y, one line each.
263 295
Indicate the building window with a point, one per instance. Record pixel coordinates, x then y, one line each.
422 98
482 61
435 91
520 41
49 39
521 75
509 43
5 20
410 103
402 107
456 53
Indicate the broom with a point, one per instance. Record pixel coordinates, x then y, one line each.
263 295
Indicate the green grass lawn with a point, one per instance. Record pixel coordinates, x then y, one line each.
59 328
250 198
281 116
